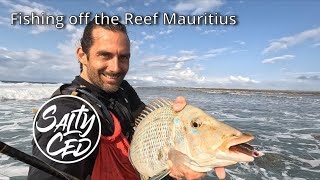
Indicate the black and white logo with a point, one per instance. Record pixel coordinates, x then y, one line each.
63 134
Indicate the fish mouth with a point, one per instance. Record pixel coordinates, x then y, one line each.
246 149
237 149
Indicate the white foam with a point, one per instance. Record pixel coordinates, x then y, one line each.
2 177
315 150
292 114
302 129
287 177
26 91
312 162
12 127
4 157
12 169
233 174
224 115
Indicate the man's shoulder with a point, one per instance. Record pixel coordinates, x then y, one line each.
63 90
64 104
128 90
65 101
126 85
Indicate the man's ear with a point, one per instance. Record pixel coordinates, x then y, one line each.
82 57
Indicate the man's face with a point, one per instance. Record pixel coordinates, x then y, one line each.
108 59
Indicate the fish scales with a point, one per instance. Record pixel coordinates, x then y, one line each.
152 134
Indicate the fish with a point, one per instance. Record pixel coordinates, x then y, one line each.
163 137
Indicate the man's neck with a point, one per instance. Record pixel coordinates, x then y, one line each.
84 76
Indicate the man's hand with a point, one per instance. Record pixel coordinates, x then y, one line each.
179 170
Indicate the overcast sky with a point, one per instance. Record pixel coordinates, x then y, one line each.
275 44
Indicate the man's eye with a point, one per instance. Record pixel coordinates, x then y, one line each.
124 58
106 56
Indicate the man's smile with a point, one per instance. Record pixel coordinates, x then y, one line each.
112 78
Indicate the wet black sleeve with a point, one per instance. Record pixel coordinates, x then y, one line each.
79 169
136 104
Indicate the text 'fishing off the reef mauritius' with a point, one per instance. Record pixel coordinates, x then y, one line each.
19 18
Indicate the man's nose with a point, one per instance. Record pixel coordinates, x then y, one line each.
114 65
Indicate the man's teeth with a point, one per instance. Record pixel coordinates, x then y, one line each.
111 76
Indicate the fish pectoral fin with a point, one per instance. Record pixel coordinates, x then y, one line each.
161 175
177 157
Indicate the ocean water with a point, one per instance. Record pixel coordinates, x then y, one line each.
286 127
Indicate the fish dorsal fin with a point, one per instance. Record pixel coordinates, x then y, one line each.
152 106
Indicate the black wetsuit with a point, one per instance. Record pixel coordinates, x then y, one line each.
124 104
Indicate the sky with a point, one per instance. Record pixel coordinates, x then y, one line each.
272 45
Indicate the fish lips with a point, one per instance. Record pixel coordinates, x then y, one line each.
238 150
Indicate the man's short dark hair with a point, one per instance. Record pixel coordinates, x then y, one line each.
87 40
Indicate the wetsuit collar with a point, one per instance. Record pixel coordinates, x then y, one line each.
92 88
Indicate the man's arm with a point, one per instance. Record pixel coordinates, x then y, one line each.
136 104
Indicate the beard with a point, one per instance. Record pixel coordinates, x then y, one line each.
96 79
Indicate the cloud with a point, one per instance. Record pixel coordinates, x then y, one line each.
309 78
135 46
316 45
213 31
239 50
186 53
26 7
112 2
36 65
196 6
166 70
217 51
232 81
165 59
240 42
214 52
241 79
149 2
4 21
165 32
189 74
286 42
149 37
189 77
279 58
69 46
121 10
179 76
181 69
304 76
295 74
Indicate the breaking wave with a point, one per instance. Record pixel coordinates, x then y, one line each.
26 91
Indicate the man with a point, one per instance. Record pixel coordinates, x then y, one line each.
104 60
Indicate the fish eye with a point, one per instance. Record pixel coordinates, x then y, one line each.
195 124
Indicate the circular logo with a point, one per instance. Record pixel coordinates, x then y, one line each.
66 129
